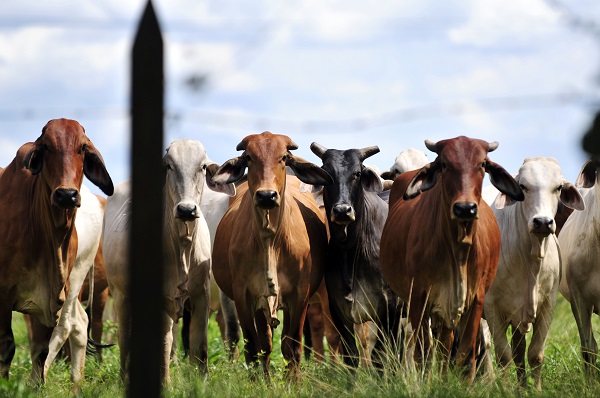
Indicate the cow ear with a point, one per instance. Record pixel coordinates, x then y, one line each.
587 175
424 180
230 171
571 197
370 180
211 169
34 159
503 181
502 201
95 171
307 172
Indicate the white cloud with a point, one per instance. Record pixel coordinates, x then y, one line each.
499 21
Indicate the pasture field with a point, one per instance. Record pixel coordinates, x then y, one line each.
562 375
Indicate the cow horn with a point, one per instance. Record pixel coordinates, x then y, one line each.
432 146
318 149
292 145
492 146
368 152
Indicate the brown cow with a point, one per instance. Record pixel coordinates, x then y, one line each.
39 196
441 243
270 246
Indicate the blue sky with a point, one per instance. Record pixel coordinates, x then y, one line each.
346 74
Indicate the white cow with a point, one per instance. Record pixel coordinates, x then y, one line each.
187 251
409 159
524 291
580 248
73 321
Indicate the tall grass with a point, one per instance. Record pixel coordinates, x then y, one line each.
562 374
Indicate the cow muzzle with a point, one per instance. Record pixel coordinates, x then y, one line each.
342 214
187 211
543 226
266 199
66 198
465 211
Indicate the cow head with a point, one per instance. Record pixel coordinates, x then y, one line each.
266 156
409 159
61 156
350 179
461 164
544 187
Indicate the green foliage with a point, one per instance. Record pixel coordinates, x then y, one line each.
562 374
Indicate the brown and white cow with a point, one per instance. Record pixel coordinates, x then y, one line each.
270 246
441 243
39 197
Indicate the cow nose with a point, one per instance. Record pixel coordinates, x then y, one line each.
266 199
543 225
465 210
66 198
342 213
187 212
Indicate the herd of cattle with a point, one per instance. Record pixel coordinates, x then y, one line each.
433 256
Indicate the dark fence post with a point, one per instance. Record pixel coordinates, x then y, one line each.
147 179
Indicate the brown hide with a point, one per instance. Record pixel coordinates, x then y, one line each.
39 196
428 253
270 259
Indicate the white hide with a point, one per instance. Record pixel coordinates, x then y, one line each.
409 159
524 291
187 250
73 321
580 248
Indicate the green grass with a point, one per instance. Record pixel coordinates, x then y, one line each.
562 374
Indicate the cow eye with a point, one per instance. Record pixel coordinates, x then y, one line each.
84 148
284 158
204 167
444 165
169 167
559 188
357 175
484 164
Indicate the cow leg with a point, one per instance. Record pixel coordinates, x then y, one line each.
535 354
186 319
264 338
498 328
291 339
167 339
78 343
7 340
316 325
466 354
124 331
350 354
445 340
232 325
200 311
247 322
61 331
38 346
518 351
97 328
332 336
583 316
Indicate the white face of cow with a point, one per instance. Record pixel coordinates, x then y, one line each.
186 164
544 186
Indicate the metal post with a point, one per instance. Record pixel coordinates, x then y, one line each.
147 179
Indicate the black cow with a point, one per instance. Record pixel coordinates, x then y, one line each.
356 216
